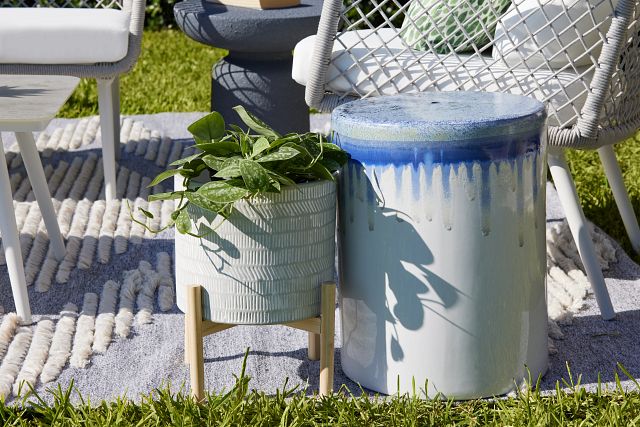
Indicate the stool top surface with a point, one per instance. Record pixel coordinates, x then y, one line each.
242 29
438 117
28 103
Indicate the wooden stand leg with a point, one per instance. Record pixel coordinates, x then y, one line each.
314 346
194 340
321 335
327 337
186 339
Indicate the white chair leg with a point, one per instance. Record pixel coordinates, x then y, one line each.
11 243
115 93
579 229
32 164
109 138
614 176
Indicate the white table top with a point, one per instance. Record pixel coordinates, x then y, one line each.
28 103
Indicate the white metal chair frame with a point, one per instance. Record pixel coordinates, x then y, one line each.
106 74
605 112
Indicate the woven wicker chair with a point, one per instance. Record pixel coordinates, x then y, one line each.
106 73
581 57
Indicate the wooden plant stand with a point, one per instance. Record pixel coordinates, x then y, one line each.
321 335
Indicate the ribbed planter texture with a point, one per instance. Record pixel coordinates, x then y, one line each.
264 264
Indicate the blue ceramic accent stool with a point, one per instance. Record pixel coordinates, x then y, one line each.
442 242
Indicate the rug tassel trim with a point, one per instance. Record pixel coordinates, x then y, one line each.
128 291
166 292
36 357
13 360
145 300
7 331
60 350
81 351
106 316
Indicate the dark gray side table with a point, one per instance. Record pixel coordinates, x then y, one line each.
257 71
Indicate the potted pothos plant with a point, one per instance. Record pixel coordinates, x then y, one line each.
255 215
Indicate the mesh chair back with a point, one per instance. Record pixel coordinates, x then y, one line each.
64 3
579 56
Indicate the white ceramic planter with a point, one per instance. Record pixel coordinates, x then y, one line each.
264 264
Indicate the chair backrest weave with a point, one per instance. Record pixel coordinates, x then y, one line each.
582 54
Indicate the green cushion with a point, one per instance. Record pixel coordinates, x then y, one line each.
443 23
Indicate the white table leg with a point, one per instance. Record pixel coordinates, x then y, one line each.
11 243
40 188
106 105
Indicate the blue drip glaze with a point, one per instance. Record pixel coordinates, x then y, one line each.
400 153
446 187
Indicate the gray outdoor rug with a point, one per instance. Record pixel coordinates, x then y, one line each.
106 317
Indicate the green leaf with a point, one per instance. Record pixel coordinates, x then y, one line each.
220 148
173 195
280 141
321 172
330 146
185 160
222 192
254 176
164 175
146 213
309 142
275 184
259 146
193 169
230 168
214 162
183 222
284 153
301 162
340 157
281 178
331 164
245 144
255 123
203 202
208 128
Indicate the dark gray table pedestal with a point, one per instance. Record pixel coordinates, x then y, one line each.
257 71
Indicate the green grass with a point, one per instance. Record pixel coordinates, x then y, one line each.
595 194
173 73
570 405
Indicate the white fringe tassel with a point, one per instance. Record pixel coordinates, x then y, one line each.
36 357
13 360
60 344
106 316
130 287
7 330
166 293
81 351
147 293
